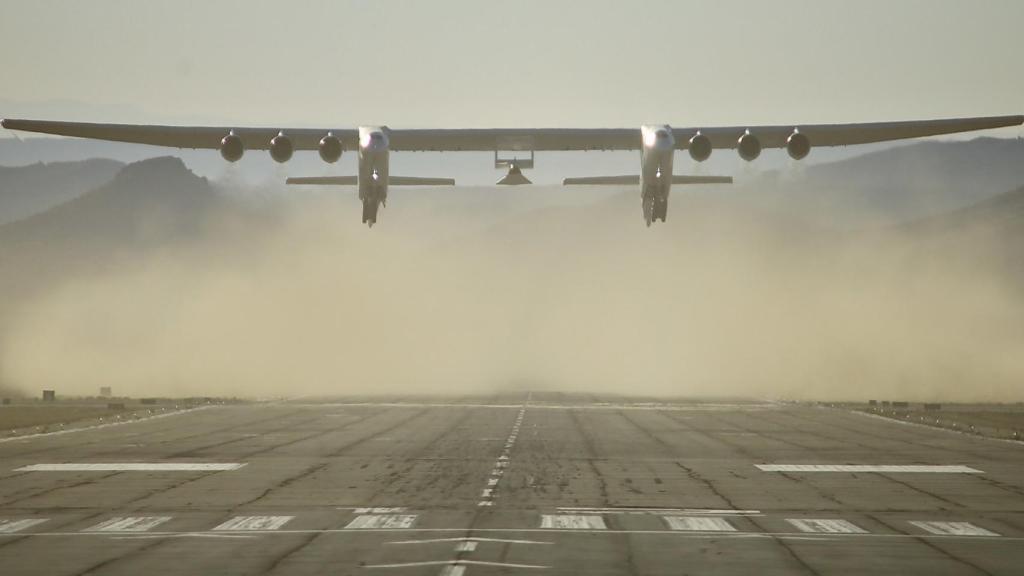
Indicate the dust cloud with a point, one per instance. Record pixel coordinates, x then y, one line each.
486 290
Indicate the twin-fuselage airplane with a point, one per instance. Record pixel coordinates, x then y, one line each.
657 145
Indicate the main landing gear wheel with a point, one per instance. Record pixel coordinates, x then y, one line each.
370 212
661 209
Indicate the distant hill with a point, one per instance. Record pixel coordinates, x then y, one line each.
31 189
907 182
147 205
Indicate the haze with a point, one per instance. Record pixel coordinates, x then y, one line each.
527 63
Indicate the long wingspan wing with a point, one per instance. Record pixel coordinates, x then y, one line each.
183 136
489 139
845 134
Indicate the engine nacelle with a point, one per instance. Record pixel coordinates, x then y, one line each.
330 148
748 146
798 145
281 148
231 147
700 147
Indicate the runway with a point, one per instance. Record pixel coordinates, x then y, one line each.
511 484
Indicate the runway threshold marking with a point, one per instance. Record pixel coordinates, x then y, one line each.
573 521
246 523
826 526
699 524
132 467
11 526
386 521
953 528
883 468
129 524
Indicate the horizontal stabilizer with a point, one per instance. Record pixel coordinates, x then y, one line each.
635 180
417 181
325 180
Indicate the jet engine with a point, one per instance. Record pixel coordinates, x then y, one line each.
231 147
798 145
281 148
330 148
700 147
748 146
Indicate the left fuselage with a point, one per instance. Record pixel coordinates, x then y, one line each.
373 170
656 154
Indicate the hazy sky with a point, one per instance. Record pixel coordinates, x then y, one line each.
515 63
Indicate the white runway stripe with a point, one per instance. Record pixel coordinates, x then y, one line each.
699 524
131 467
129 524
883 468
953 528
11 526
823 526
254 523
367 522
573 521
465 546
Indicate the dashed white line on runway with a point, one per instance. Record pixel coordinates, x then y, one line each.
699 524
11 526
883 468
372 521
129 524
254 523
573 521
465 546
953 528
826 526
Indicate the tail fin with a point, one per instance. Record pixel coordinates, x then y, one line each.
418 181
325 180
635 179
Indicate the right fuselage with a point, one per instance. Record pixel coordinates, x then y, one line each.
373 170
656 154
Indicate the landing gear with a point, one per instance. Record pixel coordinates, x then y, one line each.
654 209
660 208
370 206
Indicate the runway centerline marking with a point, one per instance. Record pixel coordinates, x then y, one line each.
129 524
387 521
883 468
699 524
12 526
454 563
826 526
488 494
248 523
953 528
132 467
573 521
465 547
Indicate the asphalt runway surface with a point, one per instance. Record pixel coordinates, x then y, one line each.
511 484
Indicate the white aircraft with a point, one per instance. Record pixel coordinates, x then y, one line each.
657 145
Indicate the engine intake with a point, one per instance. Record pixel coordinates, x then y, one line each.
700 147
798 145
330 148
231 147
281 148
748 146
